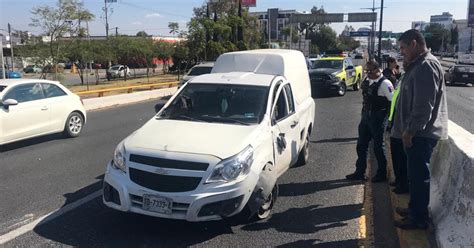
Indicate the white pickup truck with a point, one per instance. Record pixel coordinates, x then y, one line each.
219 145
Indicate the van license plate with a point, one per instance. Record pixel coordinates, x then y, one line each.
465 75
157 204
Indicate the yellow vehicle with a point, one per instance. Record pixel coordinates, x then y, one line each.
335 74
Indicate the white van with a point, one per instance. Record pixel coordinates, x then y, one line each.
220 143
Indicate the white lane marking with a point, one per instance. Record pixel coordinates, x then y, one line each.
47 217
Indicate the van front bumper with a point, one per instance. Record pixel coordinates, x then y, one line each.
203 204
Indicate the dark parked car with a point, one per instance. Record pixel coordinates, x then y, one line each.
459 74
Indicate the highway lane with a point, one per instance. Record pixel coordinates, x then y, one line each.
316 205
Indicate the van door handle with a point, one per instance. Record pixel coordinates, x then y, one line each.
44 108
294 124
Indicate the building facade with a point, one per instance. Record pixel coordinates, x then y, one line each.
445 19
275 20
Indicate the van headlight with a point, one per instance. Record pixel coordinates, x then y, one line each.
119 158
232 168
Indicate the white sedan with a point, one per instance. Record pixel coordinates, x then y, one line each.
33 107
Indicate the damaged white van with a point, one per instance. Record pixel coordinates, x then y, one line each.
219 145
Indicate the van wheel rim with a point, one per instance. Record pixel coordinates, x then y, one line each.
266 208
75 124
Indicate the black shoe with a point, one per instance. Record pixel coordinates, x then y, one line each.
355 176
393 184
409 224
379 179
400 191
404 212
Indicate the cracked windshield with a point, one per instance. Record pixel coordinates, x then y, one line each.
236 123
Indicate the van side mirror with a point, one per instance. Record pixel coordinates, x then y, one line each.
9 102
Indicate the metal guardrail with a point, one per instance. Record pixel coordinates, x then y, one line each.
128 88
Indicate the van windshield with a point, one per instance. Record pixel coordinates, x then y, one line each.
223 103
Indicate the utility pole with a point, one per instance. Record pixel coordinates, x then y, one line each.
1 60
269 31
372 35
11 46
106 20
116 31
380 32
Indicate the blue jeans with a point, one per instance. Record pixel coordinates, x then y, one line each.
418 162
371 127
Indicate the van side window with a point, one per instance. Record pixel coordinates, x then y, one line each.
281 108
289 97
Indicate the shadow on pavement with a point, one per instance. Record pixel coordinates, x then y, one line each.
30 142
295 189
332 244
335 140
94 225
316 219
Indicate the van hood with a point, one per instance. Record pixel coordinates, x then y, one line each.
215 139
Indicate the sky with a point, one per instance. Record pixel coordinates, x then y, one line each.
153 16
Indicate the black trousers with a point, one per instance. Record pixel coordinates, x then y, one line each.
371 127
399 162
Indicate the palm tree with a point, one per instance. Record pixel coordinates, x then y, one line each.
174 28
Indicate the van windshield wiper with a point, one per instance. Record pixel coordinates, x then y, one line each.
226 119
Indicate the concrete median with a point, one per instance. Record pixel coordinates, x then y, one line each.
109 101
452 189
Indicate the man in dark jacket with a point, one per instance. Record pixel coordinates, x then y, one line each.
391 72
421 119
377 92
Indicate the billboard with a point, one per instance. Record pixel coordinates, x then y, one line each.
470 14
249 3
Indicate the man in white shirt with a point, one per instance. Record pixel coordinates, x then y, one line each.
377 93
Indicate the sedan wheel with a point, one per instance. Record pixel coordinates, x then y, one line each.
266 208
74 125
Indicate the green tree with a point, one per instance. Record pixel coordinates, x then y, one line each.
439 37
58 21
347 43
310 28
142 34
325 38
174 28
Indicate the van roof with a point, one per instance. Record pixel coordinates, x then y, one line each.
290 64
242 78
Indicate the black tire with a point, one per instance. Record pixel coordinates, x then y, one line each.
341 91
303 157
356 86
265 210
74 125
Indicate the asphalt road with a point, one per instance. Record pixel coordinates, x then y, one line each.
316 206
460 102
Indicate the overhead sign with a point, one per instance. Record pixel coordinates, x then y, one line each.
362 17
317 18
360 34
249 3
470 14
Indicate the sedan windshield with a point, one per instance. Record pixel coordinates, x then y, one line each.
333 64
234 104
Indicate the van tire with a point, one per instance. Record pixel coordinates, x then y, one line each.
74 125
303 157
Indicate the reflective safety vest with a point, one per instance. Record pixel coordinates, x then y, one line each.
394 100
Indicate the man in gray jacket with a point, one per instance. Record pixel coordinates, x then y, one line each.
421 119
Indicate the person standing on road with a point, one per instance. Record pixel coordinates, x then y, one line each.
399 158
421 119
391 72
377 92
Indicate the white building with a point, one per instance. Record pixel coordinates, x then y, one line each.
464 35
279 19
445 19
